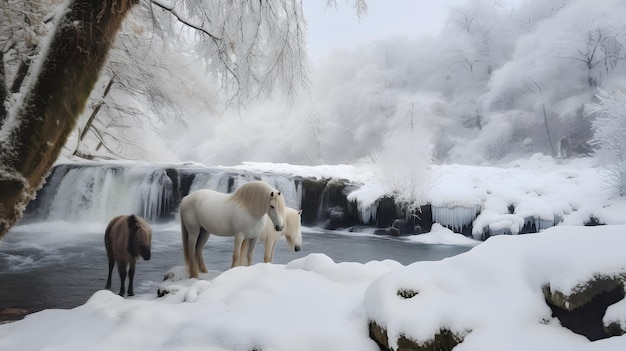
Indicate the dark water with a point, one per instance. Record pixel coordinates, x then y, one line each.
61 265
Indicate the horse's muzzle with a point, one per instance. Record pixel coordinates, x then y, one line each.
145 253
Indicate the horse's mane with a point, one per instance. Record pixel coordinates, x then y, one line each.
138 230
255 196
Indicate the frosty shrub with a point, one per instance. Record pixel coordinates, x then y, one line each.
403 165
609 128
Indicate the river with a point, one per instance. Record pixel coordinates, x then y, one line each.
60 265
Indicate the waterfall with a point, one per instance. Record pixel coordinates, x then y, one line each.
98 192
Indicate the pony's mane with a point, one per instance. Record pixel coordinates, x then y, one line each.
255 197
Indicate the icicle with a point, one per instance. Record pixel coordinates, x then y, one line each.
368 213
455 218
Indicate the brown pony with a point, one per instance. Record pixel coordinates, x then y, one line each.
125 238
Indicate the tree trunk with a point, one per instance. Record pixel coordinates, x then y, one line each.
3 90
34 134
545 121
22 71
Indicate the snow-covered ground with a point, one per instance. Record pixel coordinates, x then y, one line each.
312 303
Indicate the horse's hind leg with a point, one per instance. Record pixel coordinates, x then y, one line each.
111 265
121 268
131 276
190 238
202 240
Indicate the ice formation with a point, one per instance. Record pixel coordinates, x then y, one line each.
455 218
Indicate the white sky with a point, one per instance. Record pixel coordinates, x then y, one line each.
340 28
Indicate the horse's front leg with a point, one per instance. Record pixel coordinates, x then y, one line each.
244 251
131 276
269 249
237 250
250 249
121 268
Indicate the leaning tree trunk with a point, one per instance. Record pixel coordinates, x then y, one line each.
34 133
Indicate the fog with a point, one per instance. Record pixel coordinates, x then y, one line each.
497 82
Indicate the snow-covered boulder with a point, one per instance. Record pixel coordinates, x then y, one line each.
505 292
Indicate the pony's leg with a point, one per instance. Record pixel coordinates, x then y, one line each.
237 250
121 268
202 240
131 276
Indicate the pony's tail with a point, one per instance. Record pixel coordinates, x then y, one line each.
133 226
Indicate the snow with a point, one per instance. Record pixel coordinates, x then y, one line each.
491 295
540 190
313 303
442 235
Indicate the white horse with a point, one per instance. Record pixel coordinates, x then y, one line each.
292 233
240 214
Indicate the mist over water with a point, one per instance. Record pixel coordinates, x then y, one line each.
60 265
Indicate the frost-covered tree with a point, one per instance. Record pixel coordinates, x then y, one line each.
146 85
573 49
609 129
251 47
23 24
53 95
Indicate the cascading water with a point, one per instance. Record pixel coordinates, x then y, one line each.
98 192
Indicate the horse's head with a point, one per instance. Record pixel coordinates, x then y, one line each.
276 210
293 232
143 239
145 243
139 237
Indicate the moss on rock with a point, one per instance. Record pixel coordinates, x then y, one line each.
444 340
583 293
583 310
407 293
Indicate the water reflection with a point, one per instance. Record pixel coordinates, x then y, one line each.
61 266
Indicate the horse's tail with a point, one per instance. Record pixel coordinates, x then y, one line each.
133 226
185 235
108 240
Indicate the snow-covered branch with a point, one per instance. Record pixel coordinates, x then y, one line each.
168 6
